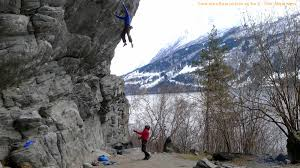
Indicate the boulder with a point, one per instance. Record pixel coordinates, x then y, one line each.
87 165
169 146
204 163
269 159
194 152
293 146
223 156
119 148
281 158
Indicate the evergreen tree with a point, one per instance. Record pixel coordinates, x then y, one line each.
214 77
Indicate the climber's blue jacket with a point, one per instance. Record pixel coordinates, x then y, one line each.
126 18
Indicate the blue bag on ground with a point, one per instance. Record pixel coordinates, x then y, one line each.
103 158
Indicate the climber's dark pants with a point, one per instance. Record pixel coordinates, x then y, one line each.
144 149
125 31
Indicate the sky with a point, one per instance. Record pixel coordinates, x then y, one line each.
158 23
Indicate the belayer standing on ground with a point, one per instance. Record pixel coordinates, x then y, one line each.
144 138
127 26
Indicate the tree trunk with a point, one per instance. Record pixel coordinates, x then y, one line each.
293 147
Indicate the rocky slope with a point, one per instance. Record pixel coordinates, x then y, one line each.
55 87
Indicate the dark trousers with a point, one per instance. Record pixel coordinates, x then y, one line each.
125 31
144 148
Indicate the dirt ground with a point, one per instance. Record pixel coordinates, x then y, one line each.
165 160
161 160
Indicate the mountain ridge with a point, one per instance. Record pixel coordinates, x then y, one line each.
173 67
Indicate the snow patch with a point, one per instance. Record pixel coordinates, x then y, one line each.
187 69
137 74
154 83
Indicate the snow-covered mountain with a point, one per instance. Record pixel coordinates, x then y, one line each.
172 69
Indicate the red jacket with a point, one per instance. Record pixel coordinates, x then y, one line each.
144 134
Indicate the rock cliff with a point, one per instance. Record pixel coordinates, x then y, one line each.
55 88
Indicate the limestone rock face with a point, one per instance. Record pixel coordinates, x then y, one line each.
56 88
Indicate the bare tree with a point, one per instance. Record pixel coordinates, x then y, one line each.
169 115
277 92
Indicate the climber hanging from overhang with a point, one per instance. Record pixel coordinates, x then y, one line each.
127 26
